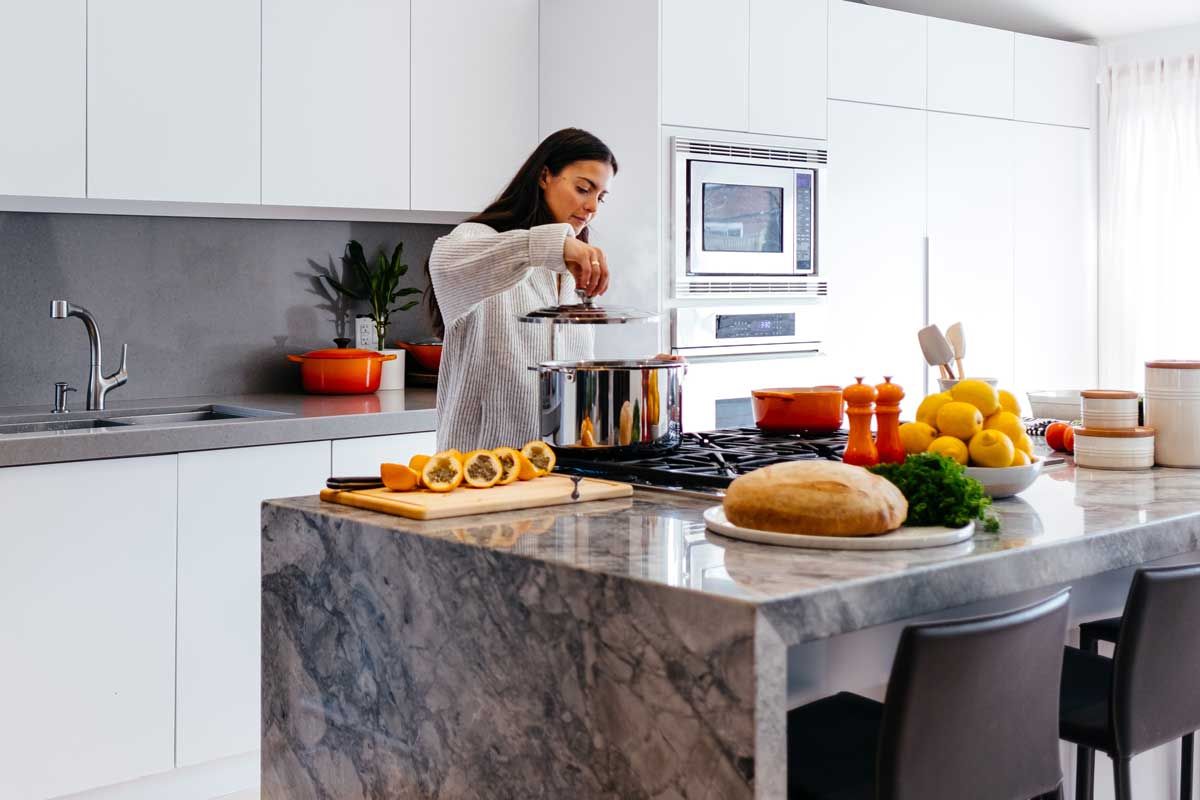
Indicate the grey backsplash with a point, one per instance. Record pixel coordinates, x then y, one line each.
208 306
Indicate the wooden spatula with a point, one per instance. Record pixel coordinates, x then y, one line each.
958 342
937 350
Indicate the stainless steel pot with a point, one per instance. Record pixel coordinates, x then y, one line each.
611 407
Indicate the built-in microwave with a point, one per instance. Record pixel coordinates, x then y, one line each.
746 211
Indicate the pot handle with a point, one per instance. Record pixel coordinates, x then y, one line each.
388 357
295 358
773 395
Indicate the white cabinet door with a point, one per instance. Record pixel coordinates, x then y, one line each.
335 127
474 99
44 93
970 69
88 583
788 67
876 245
1055 258
705 63
876 55
220 494
971 199
173 100
1055 81
352 457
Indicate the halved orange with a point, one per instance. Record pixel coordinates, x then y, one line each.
442 473
453 451
481 469
398 477
417 462
540 455
526 471
510 464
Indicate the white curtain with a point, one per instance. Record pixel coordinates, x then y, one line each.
1149 283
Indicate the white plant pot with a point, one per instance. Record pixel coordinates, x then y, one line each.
392 377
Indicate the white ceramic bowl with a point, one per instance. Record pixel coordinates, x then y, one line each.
1055 404
1001 482
1109 409
946 383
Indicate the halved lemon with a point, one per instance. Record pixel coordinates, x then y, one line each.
442 473
540 455
398 477
510 464
481 469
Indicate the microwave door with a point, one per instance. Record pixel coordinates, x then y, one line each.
741 219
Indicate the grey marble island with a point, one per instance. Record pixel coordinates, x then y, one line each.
614 649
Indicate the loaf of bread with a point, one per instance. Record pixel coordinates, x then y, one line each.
822 498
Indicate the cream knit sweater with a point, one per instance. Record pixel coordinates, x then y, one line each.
483 280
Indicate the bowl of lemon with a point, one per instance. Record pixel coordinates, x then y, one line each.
979 426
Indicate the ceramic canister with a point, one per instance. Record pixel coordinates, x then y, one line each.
1108 408
1173 410
1104 448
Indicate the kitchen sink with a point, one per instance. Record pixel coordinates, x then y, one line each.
52 426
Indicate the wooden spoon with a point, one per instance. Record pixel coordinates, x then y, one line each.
958 341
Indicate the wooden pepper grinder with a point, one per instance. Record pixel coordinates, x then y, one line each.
860 449
887 422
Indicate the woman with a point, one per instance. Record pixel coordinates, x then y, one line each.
527 250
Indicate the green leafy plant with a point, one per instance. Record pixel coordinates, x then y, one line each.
378 286
939 492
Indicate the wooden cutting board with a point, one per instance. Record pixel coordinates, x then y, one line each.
551 490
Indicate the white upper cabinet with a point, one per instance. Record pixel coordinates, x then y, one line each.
788 67
335 122
474 98
364 455
173 99
1055 81
876 55
970 69
705 63
43 91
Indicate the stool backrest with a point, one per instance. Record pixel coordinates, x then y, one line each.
1156 665
972 707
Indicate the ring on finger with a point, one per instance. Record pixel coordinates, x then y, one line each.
595 263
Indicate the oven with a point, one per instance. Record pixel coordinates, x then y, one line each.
747 217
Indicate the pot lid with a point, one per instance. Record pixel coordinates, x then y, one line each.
585 312
341 353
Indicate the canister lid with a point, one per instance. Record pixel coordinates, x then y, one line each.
1108 394
1140 432
1173 364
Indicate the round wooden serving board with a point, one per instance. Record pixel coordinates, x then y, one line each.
903 538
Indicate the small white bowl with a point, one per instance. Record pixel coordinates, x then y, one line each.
1001 482
946 383
1055 404
1109 409
1100 448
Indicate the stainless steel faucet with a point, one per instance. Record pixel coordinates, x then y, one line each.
98 384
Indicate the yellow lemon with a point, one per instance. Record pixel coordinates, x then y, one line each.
1008 402
962 420
916 436
928 410
991 449
978 394
1020 459
1024 444
950 447
1007 423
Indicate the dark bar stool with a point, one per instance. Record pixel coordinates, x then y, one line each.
969 713
1148 693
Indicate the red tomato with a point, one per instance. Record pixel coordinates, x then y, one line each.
1054 435
1069 440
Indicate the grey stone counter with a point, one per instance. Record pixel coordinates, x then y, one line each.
287 418
613 649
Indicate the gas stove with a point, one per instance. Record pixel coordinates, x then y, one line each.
707 462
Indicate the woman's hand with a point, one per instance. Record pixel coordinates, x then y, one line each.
587 266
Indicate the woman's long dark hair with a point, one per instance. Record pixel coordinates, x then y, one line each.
521 205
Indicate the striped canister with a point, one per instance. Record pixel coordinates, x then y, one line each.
1173 410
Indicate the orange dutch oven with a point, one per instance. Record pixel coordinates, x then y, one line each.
810 408
337 371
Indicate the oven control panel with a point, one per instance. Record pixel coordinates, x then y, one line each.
748 329
743 326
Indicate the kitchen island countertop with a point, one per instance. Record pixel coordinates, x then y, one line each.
288 418
616 648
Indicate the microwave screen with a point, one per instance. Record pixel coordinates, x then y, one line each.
745 219
804 221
